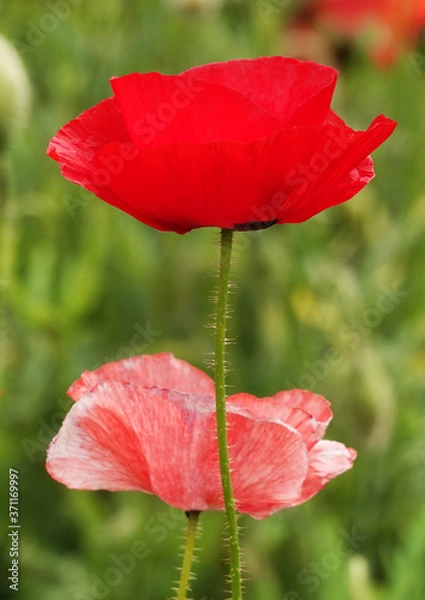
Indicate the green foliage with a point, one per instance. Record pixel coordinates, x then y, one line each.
334 305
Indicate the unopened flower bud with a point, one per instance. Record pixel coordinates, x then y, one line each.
15 93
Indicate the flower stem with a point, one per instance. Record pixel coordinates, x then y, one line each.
192 518
7 231
220 391
4 182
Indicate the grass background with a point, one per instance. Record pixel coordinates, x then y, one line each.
84 284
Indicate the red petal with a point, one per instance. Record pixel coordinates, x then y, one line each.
306 412
341 176
179 188
164 109
160 370
327 460
295 92
77 142
90 131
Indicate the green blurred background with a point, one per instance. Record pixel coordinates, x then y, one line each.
334 305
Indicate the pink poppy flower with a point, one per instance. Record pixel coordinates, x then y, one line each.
148 424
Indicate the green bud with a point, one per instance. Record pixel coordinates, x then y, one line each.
15 92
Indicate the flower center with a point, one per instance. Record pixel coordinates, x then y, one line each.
254 225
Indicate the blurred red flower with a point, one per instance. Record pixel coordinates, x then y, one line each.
242 144
395 25
148 424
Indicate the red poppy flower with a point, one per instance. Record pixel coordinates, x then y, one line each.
148 424
397 24
243 144
347 16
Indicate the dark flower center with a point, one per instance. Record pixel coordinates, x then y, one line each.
254 225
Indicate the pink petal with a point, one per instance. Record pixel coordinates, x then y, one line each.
295 92
181 449
126 437
327 460
98 446
161 109
161 370
269 464
122 437
306 412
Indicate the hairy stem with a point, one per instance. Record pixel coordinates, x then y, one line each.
192 522
220 391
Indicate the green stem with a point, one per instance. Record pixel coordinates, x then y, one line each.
6 246
192 518
220 392
4 182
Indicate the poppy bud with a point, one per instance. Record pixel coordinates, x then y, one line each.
14 93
